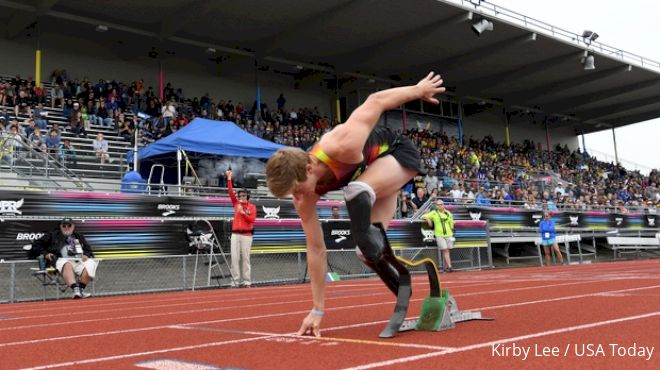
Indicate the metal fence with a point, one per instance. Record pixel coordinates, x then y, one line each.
118 276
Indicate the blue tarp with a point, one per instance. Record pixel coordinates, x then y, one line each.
211 137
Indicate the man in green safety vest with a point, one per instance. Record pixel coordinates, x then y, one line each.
442 222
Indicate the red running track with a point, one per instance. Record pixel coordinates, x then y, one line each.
600 316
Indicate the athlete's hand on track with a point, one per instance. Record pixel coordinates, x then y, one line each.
311 325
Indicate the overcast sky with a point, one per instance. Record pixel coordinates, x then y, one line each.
630 25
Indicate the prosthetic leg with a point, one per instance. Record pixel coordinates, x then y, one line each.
374 250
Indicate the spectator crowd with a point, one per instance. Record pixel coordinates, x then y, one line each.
480 172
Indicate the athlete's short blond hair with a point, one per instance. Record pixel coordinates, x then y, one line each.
286 168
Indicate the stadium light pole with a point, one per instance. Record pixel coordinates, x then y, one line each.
616 152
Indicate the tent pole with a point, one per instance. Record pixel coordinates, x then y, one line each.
178 167
135 150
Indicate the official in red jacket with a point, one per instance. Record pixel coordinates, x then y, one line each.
245 213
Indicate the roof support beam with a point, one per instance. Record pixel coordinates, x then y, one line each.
485 83
572 104
396 42
443 66
641 117
21 20
270 44
569 83
183 16
599 113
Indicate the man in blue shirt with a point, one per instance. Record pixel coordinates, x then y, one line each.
548 235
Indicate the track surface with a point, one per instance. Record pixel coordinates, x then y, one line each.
604 316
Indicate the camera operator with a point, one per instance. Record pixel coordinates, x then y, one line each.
406 207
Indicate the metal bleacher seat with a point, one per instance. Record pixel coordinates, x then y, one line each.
622 244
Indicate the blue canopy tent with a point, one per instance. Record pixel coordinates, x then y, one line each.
207 137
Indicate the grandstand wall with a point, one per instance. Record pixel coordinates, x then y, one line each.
85 58
520 129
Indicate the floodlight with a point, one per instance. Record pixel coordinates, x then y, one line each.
589 36
588 62
481 26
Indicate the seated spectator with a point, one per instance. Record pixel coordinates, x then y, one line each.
53 143
431 180
100 145
125 128
169 112
30 129
456 193
23 104
13 144
482 198
37 140
621 208
335 213
68 153
56 96
420 198
103 115
40 117
77 125
92 106
39 95
72 255
4 115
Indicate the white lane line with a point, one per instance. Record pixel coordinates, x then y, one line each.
481 275
502 341
193 323
475 277
215 309
361 367
308 338
146 353
171 364
192 301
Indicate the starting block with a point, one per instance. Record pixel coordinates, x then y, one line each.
439 310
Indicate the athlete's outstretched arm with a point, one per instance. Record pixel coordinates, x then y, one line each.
353 134
316 260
